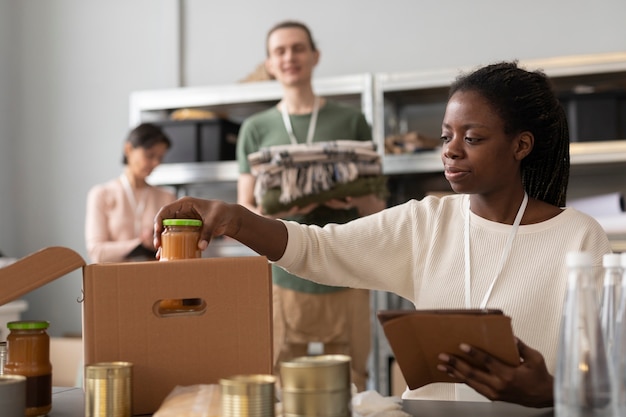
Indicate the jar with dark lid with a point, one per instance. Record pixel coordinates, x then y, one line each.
179 239
28 348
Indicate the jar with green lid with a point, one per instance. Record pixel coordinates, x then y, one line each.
179 239
28 348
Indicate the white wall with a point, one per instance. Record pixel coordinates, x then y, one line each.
68 67
8 98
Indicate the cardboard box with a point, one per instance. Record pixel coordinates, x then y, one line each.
122 320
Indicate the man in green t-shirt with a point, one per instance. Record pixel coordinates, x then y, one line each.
307 314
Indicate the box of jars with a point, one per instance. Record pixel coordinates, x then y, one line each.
181 322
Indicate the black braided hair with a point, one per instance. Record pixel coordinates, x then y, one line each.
526 101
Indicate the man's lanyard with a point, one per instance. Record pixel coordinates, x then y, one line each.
312 123
503 258
138 208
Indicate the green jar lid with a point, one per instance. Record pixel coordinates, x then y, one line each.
27 325
182 222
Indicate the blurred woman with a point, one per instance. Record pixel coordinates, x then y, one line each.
120 213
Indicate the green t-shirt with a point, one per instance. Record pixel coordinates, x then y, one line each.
335 121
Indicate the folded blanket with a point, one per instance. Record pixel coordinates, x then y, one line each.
271 204
302 170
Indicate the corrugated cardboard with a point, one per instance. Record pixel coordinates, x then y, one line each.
232 336
417 337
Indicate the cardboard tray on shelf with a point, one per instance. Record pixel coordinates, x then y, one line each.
230 333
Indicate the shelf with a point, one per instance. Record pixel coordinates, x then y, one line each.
598 152
189 173
224 97
581 153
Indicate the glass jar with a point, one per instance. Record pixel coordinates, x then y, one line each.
179 239
28 348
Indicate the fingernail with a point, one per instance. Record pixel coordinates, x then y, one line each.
465 347
203 244
442 368
443 357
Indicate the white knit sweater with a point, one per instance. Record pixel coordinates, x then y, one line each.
416 250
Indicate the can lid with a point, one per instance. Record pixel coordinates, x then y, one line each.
107 370
182 222
27 325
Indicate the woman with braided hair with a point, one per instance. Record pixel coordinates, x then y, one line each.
500 242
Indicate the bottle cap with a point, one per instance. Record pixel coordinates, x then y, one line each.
575 259
27 325
611 260
182 222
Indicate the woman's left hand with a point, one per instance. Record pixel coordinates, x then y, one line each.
529 384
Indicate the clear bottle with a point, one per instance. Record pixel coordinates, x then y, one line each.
619 350
610 298
3 356
583 379
28 347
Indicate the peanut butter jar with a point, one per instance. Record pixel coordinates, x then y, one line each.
28 348
179 239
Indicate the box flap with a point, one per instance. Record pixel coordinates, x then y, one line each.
35 270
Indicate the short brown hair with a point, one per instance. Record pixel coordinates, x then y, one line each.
288 24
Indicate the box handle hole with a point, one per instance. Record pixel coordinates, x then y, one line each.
169 307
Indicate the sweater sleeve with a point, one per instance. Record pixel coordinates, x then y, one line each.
361 254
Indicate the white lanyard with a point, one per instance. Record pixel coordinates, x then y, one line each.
137 208
312 123
503 258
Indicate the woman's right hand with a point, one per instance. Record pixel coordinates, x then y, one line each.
220 218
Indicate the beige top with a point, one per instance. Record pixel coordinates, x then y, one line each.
110 219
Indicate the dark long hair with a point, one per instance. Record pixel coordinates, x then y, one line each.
526 101
146 135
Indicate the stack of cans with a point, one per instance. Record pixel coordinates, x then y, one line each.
248 396
316 386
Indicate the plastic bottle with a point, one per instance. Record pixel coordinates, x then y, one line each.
609 304
3 356
619 349
28 347
583 379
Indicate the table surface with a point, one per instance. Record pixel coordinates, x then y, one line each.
69 402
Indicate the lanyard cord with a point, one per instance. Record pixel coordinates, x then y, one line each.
137 208
312 123
503 258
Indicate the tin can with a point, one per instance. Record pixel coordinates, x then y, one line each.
12 395
248 396
28 348
179 239
108 389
